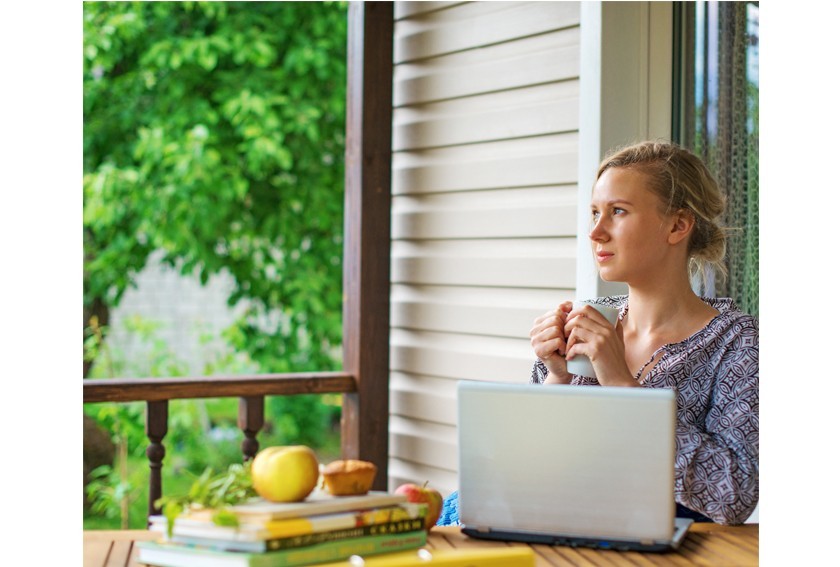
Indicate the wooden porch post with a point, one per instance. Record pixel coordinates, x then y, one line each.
367 233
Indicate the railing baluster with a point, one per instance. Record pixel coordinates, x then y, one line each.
251 419
157 418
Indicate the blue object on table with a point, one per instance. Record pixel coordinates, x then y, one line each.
449 515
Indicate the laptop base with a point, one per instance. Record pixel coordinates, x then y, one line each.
680 530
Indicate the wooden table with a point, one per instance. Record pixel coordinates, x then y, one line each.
705 544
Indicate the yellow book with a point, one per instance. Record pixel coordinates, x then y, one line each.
200 524
520 556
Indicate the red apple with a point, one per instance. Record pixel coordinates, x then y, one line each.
424 495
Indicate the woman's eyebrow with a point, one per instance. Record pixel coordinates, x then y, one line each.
612 202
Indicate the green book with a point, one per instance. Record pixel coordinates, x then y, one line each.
175 555
301 540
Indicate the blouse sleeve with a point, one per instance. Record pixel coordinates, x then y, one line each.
716 469
539 373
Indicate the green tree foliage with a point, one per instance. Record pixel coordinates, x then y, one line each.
215 132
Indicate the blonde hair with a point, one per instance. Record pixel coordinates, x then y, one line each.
682 182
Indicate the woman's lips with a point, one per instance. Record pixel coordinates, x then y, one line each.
603 256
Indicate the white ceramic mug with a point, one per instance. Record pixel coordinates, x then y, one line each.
580 364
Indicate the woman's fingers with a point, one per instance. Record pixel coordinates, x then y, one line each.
547 336
579 341
543 322
587 317
586 326
548 341
551 318
548 349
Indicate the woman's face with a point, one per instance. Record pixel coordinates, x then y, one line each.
629 232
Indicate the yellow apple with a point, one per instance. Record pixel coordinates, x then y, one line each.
285 474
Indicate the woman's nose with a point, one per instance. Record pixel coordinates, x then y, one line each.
598 234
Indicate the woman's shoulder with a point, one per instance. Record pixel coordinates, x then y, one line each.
730 313
736 328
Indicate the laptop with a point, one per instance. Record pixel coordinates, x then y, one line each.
568 465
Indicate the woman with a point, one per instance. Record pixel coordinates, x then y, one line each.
654 210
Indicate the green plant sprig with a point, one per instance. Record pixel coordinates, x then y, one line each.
212 491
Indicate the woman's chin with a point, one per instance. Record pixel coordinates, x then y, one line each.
607 276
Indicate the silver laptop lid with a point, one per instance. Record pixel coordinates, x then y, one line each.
582 461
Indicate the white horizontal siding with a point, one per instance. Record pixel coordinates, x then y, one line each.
456 356
499 312
425 398
534 60
532 111
525 162
478 24
485 139
404 10
424 442
534 212
540 263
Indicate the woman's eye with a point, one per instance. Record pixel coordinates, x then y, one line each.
612 211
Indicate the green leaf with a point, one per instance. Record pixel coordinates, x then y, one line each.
225 518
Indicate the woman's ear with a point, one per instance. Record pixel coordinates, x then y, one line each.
681 224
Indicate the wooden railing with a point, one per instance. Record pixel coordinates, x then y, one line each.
159 389
251 391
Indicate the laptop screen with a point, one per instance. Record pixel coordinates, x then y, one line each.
583 461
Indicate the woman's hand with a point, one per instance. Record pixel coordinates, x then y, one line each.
589 333
549 343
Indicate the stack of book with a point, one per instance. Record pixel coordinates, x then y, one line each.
321 529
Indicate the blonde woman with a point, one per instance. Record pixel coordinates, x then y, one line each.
654 210
654 218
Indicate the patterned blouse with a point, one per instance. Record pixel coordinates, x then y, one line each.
715 375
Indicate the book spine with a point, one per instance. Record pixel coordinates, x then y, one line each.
388 528
291 527
303 540
340 550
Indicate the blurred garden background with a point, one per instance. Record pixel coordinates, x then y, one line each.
213 219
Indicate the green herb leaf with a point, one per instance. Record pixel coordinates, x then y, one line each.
226 518
215 491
